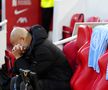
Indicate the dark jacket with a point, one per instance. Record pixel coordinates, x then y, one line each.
46 60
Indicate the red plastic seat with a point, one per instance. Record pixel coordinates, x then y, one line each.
101 83
84 35
78 69
106 20
93 19
71 48
86 75
67 31
9 61
70 51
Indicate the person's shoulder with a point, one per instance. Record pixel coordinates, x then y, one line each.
37 26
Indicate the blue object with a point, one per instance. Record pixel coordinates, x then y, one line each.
98 45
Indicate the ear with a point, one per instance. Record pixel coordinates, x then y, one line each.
21 39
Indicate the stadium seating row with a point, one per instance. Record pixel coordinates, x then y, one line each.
77 51
78 17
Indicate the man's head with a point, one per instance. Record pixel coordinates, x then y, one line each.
20 36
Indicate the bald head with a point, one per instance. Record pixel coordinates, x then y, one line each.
19 36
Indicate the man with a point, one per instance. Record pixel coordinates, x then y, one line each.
47 13
34 52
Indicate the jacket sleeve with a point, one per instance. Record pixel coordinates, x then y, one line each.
20 63
15 68
44 60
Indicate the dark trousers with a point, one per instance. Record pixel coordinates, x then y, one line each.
47 15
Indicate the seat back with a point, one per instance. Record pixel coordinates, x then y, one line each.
79 66
70 49
9 61
83 35
93 19
78 17
101 83
86 75
67 31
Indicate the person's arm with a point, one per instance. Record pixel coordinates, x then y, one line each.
20 63
17 51
44 60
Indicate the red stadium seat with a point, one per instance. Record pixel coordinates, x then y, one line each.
67 31
84 35
106 20
70 51
9 61
71 48
87 76
93 19
78 69
101 83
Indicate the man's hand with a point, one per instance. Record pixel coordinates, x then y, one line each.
18 50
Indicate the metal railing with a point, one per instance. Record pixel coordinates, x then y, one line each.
65 40
3 22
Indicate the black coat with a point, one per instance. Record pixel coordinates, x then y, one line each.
46 60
